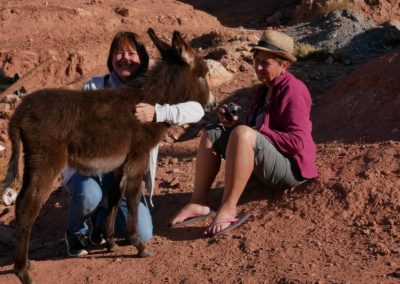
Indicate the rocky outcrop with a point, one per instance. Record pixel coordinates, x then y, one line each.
380 11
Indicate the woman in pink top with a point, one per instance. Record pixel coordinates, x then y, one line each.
275 146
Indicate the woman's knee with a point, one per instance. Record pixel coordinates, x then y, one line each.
85 191
244 134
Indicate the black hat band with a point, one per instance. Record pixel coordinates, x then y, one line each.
265 44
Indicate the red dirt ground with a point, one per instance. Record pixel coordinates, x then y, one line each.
343 228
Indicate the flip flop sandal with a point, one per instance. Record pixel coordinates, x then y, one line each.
235 222
192 218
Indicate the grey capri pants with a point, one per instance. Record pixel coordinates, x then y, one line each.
271 167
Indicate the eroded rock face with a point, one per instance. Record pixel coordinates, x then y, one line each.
361 108
349 32
380 11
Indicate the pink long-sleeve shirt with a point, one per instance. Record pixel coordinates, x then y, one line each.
285 121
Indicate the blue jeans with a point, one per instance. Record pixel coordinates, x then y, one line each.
86 194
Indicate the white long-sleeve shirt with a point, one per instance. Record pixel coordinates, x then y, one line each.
188 112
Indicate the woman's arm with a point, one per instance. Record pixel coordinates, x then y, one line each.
95 83
295 123
188 112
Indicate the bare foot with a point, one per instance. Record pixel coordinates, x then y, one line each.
188 211
222 220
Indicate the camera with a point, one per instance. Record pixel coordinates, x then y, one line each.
230 110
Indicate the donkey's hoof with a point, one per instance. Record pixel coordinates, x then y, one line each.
29 265
24 276
112 247
145 253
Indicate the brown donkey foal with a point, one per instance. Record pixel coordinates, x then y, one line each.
96 132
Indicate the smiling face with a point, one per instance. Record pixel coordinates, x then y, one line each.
268 66
125 60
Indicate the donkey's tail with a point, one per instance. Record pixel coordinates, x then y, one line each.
12 171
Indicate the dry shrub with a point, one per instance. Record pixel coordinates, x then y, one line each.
334 5
308 51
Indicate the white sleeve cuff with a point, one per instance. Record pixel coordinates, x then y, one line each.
188 112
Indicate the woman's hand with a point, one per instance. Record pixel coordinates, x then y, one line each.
227 120
145 112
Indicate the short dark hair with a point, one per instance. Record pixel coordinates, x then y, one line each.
122 37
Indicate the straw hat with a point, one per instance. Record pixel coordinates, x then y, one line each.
276 43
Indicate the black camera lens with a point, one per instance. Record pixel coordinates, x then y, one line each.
231 110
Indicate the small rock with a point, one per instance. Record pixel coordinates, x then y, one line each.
3 137
179 20
253 38
82 12
175 136
218 74
9 196
124 12
5 111
175 171
11 99
242 68
241 38
395 274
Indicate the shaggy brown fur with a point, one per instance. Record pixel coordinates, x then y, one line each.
96 132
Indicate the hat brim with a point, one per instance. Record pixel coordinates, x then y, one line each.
281 54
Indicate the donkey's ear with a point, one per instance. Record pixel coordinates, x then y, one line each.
162 46
182 48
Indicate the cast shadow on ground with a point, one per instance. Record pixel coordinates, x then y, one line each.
52 247
253 192
46 241
236 13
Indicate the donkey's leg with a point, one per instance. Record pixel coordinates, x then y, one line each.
37 184
113 201
133 169
133 196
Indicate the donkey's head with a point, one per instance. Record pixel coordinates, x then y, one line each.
181 75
